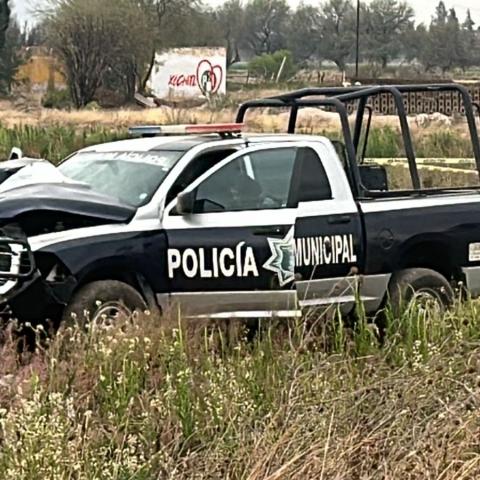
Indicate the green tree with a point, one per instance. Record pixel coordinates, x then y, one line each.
10 57
417 45
129 55
4 21
387 21
266 25
195 26
441 14
303 34
101 43
230 18
337 26
81 33
470 43
445 43
164 22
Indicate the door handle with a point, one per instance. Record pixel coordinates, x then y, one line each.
271 230
339 219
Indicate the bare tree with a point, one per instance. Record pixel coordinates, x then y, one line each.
134 44
337 26
304 33
230 18
99 40
157 14
266 25
78 32
387 21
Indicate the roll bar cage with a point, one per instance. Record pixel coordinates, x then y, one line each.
337 98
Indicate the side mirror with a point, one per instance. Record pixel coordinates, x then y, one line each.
186 202
15 154
374 177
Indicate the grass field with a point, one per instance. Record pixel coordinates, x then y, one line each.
56 141
316 399
313 400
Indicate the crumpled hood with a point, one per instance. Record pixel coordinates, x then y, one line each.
37 171
74 199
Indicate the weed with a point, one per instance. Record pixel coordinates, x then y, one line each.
57 140
137 401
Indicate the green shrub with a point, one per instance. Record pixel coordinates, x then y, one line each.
59 99
56 142
267 66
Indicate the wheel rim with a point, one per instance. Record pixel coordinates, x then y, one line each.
427 299
110 312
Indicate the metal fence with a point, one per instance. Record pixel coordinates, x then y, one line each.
447 103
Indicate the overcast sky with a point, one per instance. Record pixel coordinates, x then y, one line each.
423 8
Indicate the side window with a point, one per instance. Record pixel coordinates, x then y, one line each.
312 183
260 180
195 169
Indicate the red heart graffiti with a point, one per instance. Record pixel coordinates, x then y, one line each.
216 75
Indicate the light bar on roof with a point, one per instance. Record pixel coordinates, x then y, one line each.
156 130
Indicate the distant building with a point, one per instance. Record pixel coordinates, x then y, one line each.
41 71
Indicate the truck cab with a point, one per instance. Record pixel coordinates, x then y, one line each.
215 222
237 225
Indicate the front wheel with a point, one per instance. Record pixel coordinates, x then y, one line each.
420 286
104 301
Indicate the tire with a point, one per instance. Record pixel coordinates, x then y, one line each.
98 301
421 283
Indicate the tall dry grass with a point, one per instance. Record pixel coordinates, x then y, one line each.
308 400
316 399
108 118
63 133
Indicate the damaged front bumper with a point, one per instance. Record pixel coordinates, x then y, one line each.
30 290
24 295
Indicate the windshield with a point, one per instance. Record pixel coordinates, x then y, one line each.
132 177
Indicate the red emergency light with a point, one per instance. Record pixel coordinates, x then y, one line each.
195 129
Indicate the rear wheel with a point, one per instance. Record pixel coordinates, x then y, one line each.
420 286
104 302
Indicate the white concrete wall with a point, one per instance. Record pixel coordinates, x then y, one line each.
189 72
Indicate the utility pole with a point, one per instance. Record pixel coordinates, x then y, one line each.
357 47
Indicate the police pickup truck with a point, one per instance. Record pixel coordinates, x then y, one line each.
214 222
